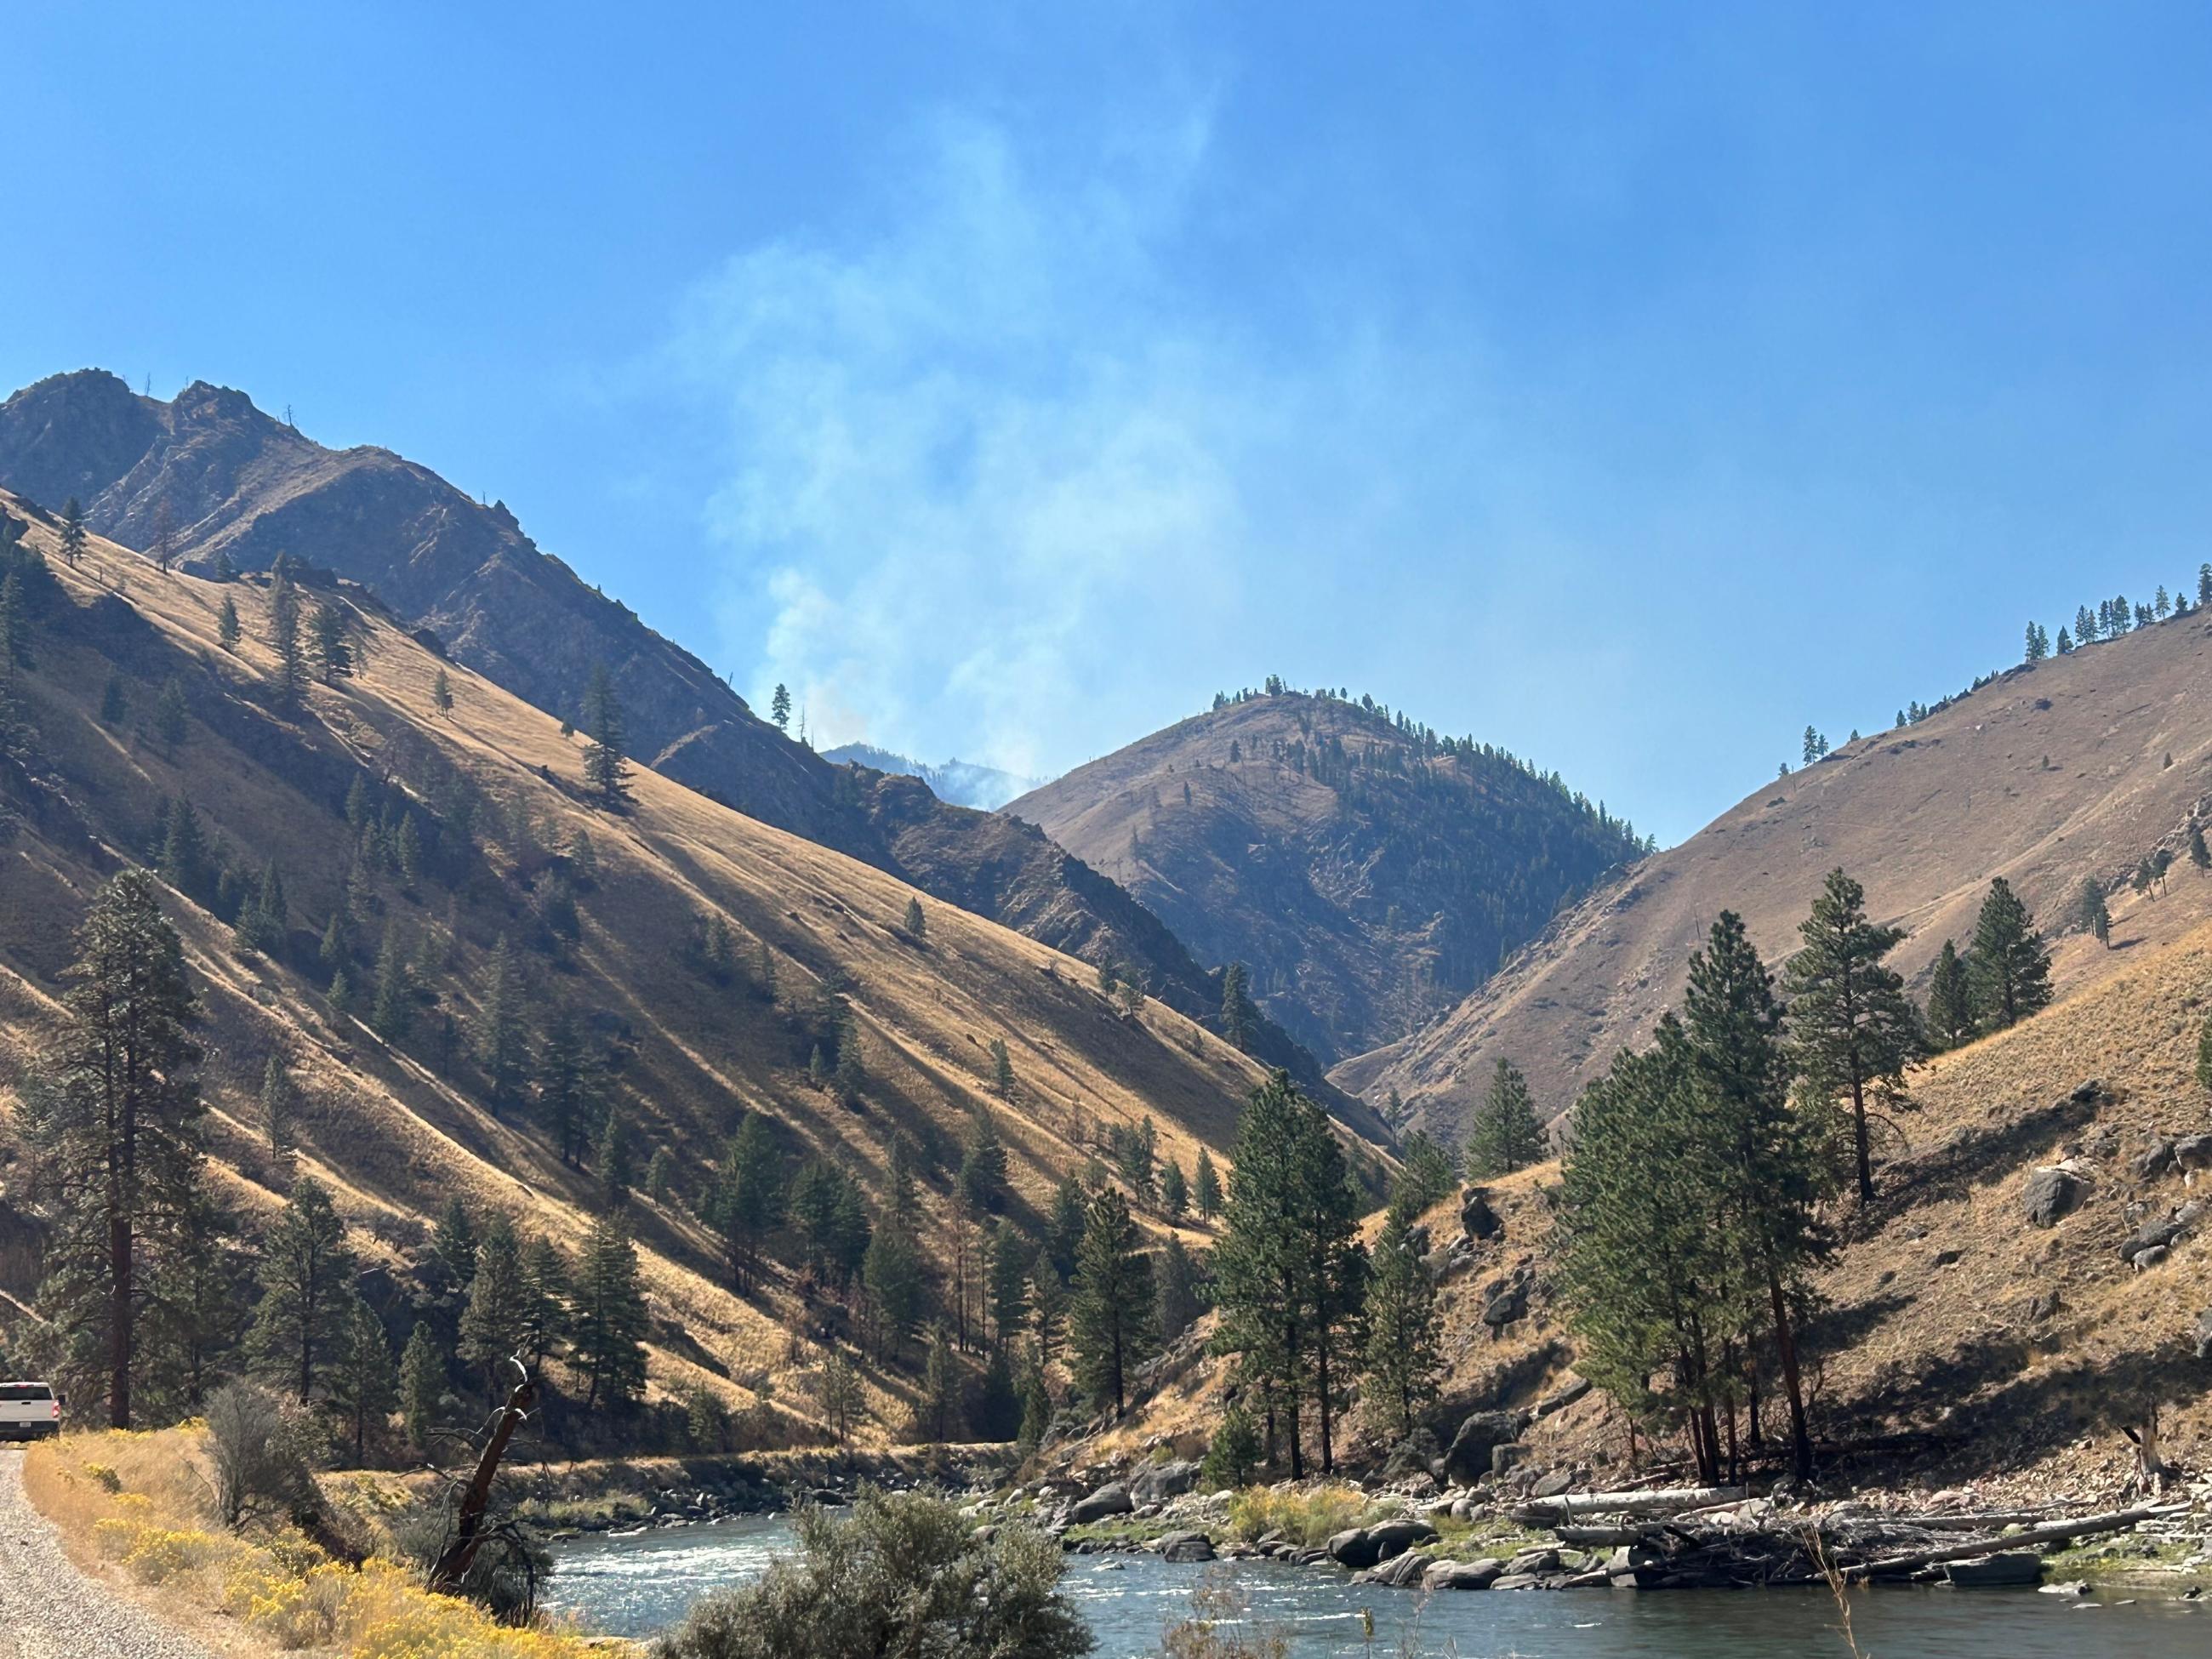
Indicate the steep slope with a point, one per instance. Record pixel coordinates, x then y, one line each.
438 835
233 483
1369 873
2070 770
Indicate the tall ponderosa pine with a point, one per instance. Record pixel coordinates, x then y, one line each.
608 1319
1236 1012
120 1138
891 1273
982 1181
1950 999
748 1195
1853 1031
363 1385
284 636
496 1324
1206 1186
1177 1289
2008 967
2089 909
327 641
1733 1028
502 1042
604 767
72 532
421 1384
1110 1314
1404 1358
306 1282
569 1100
1290 1273
1506 1135
779 707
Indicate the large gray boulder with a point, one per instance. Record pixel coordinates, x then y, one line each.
2193 1151
2052 1193
1355 1549
1404 1571
1186 1547
1396 1537
1468 1460
1110 1500
1461 1575
1510 1305
2156 1235
2202 1334
2154 1160
1157 1482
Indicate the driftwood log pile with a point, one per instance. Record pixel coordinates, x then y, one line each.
1708 1537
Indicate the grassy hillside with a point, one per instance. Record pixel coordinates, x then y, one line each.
231 483
606 930
1369 872
1956 1339
2073 769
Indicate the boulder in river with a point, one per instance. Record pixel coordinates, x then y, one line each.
1396 1537
1186 1547
1461 1575
2007 1567
1354 1548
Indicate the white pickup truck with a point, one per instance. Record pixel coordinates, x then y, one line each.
29 1410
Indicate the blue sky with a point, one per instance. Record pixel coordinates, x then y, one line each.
1626 385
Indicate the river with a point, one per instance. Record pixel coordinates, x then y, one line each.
636 1585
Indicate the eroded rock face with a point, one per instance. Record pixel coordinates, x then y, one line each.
1467 1460
2052 1193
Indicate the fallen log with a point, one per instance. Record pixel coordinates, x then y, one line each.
2055 1532
1669 1501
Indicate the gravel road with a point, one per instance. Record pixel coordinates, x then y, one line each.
48 1610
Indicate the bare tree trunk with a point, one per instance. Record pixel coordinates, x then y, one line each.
468 1535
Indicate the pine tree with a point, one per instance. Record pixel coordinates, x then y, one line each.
306 1278
1063 1235
170 723
1002 1068
162 549
441 692
494 1326
2199 854
604 767
545 1300
503 1045
937 1413
119 1144
1006 1288
1505 1135
72 532
1174 1191
2090 910
277 1108
184 861
326 642
454 1243
608 1321
748 1195
1176 1295
1950 999
362 1383
916 924
195 1309
982 1181
422 1385
2009 970
613 1158
2037 649
1110 1314
779 708
1206 1186
1236 1012
659 1176
1048 1314
1404 1358
2065 643
284 637
1853 1031
568 1082
891 1273
1733 1025
392 1014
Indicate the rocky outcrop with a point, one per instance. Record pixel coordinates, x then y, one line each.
2053 1193
1468 1458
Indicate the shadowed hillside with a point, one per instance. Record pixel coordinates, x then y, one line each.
2073 768
1369 872
215 479
706 959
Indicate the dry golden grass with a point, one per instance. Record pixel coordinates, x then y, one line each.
134 1513
2076 767
395 1139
